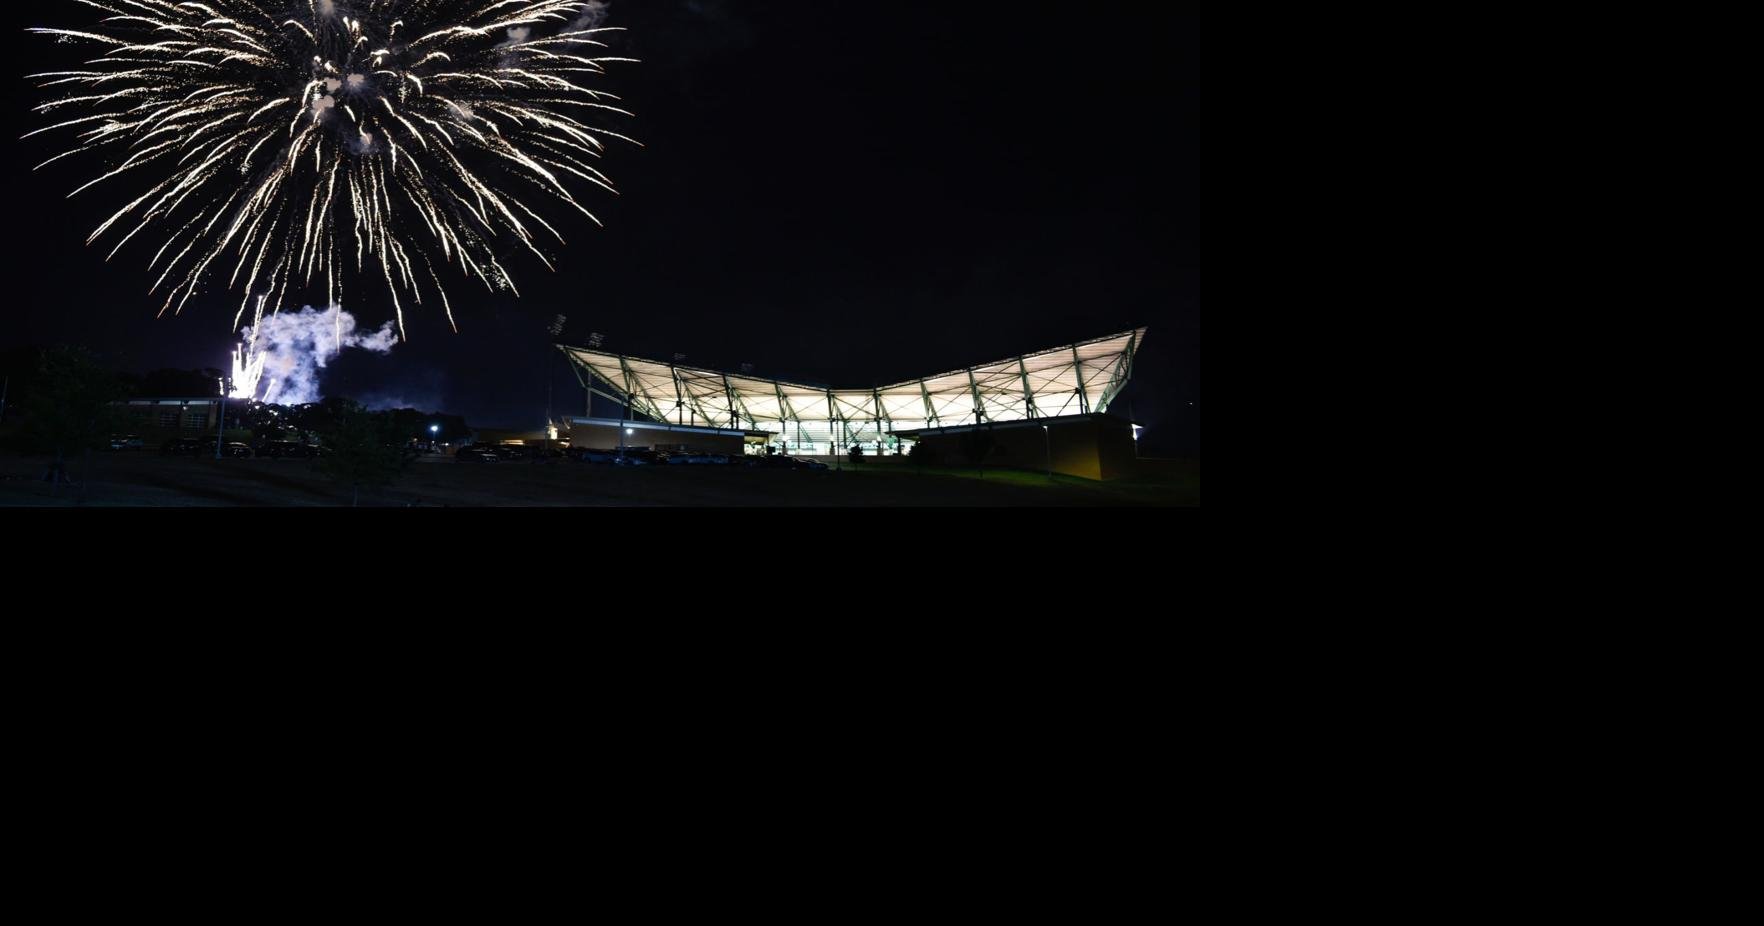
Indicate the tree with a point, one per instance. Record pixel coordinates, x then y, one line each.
269 422
366 449
414 425
70 407
179 383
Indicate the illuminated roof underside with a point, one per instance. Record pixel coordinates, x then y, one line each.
1073 380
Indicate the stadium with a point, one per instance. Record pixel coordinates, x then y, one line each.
1047 408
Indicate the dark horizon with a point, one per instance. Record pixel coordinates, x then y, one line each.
830 196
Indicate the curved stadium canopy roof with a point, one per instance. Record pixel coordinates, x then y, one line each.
1076 379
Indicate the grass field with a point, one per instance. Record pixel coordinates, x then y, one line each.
147 479
1161 482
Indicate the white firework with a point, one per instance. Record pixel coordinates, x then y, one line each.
284 144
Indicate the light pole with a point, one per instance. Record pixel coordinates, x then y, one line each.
1132 418
434 432
1047 438
220 435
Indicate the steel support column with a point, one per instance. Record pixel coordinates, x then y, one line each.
654 410
1078 373
979 408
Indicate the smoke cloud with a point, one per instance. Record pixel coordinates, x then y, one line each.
293 348
591 18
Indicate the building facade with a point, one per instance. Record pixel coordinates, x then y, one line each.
160 419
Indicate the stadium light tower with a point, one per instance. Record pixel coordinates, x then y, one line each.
595 339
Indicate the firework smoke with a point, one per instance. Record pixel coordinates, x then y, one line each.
284 354
593 17
282 146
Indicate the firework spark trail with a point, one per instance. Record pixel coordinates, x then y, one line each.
247 372
410 123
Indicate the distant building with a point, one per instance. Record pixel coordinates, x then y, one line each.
612 433
525 437
162 419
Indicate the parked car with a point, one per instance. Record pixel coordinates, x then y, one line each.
779 461
235 449
288 450
700 458
592 455
477 454
179 446
126 442
639 456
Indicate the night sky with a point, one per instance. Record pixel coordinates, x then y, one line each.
840 193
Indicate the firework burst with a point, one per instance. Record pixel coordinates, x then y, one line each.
284 144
